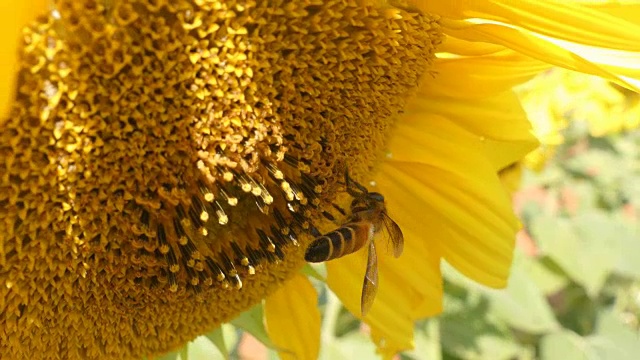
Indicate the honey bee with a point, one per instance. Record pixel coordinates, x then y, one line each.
368 217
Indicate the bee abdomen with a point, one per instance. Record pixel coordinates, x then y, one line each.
330 246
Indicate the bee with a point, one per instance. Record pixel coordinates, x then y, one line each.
368 218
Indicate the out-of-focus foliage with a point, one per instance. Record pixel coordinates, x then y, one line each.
557 97
574 291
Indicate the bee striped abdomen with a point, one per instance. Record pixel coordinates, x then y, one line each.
345 240
319 250
329 246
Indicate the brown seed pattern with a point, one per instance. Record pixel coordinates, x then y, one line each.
165 160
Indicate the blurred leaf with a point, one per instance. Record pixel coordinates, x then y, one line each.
627 263
470 335
623 343
217 339
310 271
355 345
223 338
252 322
184 352
584 192
203 349
585 247
522 304
574 309
545 274
612 341
565 345
427 343
345 322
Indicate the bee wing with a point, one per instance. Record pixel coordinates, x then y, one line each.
370 284
394 233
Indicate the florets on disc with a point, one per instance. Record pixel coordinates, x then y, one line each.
165 159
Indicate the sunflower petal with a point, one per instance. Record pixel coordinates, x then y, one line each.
410 287
481 76
407 291
570 21
14 15
553 51
293 319
450 172
499 120
423 281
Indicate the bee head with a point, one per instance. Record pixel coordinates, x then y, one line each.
376 197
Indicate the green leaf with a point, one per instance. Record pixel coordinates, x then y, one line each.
355 345
223 338
611 341
545 274
252 322
184 352
203 349
585 247
565 345
522 304
471 335
619 341
310 271
627 236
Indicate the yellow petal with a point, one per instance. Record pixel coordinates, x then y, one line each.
558 19
293 319
467 48
629 12
499 119
420 262
481 76
449 171
553 51
410 287
511 177
14 15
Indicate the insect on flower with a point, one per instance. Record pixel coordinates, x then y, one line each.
368 217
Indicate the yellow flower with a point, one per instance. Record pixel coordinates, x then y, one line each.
165 163
558 96
440 178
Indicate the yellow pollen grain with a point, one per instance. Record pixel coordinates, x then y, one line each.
223 219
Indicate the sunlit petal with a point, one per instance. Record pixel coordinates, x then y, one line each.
547 50
293 319
410 287
571 22
499 120
448 168
481 76
14 15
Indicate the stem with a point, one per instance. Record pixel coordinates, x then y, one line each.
331 312
432 329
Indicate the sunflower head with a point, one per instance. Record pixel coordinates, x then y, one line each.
171 156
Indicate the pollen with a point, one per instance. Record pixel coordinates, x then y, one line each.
164 160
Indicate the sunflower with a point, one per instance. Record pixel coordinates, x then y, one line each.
164 164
